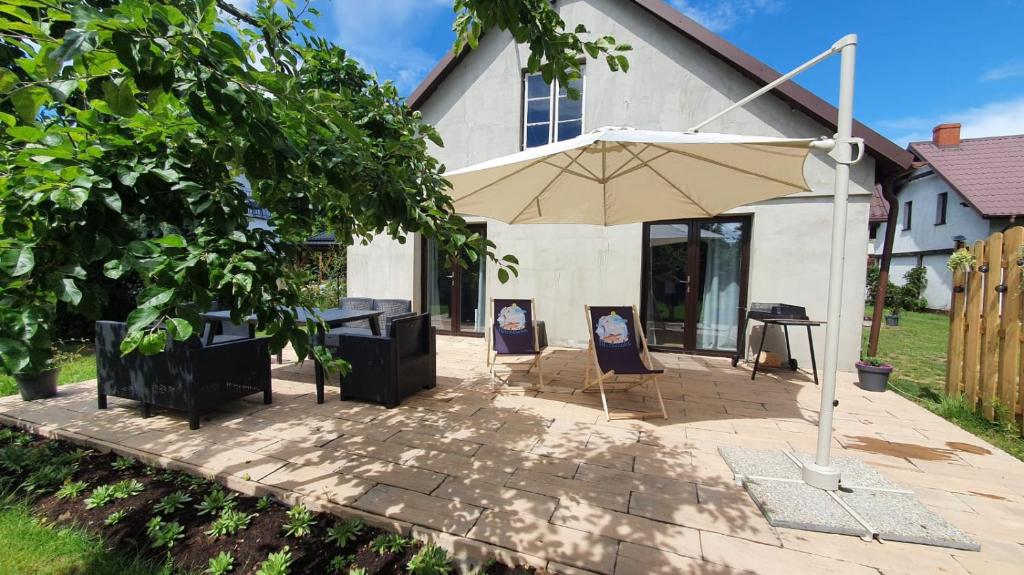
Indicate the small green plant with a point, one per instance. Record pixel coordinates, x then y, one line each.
264 503
358 571
47 478
215 501
123 464
874 362
172 502
345 532
341 562
276 563
222 564
300 522
71 489
961 260
164 534
430 560
128 488
955 408
229 523
100 496
115 517
389 543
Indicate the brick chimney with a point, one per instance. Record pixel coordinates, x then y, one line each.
945 135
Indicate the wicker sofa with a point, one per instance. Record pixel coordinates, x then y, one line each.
186 376
388 368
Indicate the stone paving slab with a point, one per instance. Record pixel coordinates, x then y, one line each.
541 479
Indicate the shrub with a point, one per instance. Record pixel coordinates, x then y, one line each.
430 560
215 501
172 502
276 563
345 532
229 523
389 543
222 564
300 522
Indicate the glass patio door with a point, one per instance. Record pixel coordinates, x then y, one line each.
454 296
695 275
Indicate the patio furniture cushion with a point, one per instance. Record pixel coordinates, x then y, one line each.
392 308
358 304
385 328
615 341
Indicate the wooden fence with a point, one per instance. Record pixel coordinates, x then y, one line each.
986 342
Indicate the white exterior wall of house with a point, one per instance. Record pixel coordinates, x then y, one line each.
672 84
925 235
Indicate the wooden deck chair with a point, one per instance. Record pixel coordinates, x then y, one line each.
618 349
515 331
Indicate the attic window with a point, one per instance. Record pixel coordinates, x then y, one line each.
908 212
549 115
940 208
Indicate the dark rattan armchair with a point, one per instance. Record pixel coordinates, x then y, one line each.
388 368
186 376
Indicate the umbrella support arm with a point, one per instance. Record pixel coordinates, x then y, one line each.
822 474
848 40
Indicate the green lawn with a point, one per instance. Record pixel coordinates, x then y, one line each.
82 368
917 351
31 548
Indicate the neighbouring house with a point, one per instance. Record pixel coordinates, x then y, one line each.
691 279
964 190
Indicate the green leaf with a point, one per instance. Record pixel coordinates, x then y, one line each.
18 262
511 259
158 299
68 292
502 275
70 198
179 328
26 133
14 353
28 101
114 269
76 43
171 241
141 318
8 80
112 200
120 99
153 343
131 341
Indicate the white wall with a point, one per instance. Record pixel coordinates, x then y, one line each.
671 85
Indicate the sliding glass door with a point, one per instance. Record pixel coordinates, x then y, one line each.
694 282
454 296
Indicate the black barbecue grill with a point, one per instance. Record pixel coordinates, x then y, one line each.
783 315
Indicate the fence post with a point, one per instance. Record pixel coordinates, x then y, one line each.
990 341
1008 371
972 313
955 352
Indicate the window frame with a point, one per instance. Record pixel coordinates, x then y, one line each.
552 99
908 214
941 208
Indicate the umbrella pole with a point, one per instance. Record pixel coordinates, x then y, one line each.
822 474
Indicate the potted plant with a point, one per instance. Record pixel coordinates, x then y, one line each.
873 374
897 303
27 352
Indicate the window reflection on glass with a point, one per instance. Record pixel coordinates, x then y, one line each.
719 297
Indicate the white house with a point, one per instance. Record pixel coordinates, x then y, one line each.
963 191
691 279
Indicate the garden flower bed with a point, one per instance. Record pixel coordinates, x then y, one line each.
197 526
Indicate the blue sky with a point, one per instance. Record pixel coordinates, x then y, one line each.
920 62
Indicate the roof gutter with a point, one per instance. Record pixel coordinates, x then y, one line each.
889 193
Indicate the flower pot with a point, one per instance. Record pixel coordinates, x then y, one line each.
38 385
892 320
873 378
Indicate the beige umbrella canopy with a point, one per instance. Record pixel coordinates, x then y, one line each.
619 175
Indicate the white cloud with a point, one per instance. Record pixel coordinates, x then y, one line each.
1009 70
1002 118
382 35
720 15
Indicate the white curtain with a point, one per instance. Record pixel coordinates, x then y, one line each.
718 327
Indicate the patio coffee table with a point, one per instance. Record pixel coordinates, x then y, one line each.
333 317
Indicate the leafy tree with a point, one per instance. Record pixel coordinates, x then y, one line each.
128 127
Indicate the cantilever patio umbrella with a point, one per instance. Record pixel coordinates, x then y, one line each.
619 175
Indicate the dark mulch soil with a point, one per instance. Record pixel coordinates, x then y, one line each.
311 555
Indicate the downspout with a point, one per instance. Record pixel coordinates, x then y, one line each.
889 193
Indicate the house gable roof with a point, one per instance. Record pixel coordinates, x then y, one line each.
879 206
889 156
987 172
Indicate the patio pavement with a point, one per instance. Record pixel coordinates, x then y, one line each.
540 478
